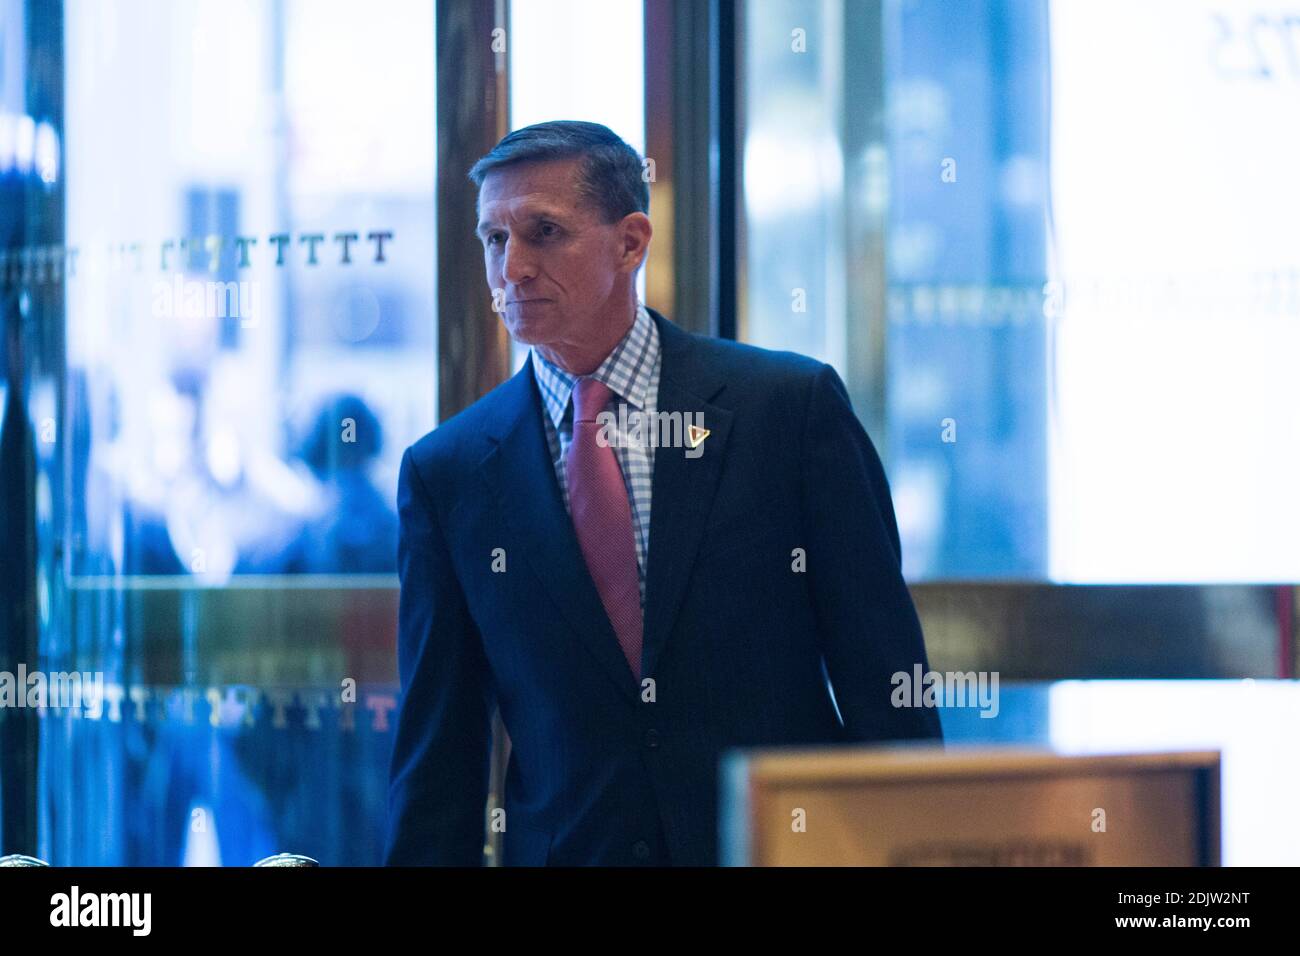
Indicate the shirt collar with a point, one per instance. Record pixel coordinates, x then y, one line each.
626 369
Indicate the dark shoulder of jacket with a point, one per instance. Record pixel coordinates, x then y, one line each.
456 445
756 371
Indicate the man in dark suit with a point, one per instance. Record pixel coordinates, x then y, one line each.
626 654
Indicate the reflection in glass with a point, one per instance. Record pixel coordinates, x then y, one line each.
250 327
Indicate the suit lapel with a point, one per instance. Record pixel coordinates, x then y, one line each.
519 472
683 488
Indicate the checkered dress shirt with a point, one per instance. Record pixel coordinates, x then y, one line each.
631 371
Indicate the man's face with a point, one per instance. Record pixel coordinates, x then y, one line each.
545 246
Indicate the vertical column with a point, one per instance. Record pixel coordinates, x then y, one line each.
866 188
692 77
32 358
473 346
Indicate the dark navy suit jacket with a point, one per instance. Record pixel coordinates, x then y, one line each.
735 637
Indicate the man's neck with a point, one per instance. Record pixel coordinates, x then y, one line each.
583 358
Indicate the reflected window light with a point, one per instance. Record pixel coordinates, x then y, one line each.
223 456
1260 788
785 176
202 848
793 172
8 133
47 153
599 78
1174 448
24 143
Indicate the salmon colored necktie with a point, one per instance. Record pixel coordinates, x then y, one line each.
602 517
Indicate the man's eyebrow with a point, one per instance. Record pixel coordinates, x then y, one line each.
532 215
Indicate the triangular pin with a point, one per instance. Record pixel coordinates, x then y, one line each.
696 435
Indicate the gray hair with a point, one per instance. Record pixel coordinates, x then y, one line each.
610 176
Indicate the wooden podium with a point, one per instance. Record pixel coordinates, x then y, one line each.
929 806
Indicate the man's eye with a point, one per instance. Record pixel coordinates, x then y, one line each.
494 238
548 230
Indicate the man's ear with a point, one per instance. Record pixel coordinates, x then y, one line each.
634 235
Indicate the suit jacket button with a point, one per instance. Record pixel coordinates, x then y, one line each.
652 738
641 850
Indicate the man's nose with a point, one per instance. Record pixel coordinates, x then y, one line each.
518 264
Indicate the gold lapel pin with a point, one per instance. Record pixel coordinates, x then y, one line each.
696 435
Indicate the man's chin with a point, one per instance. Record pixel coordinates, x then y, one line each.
522 334
527 332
